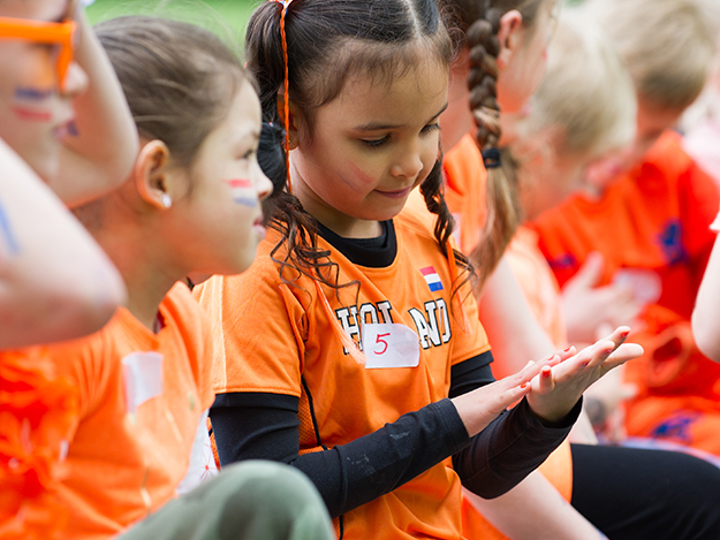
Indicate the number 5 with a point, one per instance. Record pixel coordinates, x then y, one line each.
378 340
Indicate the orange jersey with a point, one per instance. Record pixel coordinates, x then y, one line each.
279 339
465 195
655 218
653 223
141 397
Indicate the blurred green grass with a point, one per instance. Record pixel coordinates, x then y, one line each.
227 18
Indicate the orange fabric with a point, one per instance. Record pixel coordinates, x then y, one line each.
123 465
466 177
465 184
538 284
655 219
37 412
293 350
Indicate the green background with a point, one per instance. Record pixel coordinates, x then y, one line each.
225 17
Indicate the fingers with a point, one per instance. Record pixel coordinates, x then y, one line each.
526 374
624 353
546 382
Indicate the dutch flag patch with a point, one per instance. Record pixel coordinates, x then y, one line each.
432 278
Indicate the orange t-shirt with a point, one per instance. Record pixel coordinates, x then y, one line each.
141 398
276 338
653 227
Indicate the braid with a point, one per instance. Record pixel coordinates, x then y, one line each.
502 200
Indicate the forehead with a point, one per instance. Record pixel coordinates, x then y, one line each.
42 10
419 90
243 117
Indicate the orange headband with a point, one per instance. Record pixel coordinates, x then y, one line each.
286 98
43 32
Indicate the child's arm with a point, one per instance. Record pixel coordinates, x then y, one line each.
545 514
705 324
101 154
55 281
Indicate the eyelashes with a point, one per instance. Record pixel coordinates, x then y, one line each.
376 143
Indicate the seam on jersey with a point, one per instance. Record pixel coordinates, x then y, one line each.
255 390
316 429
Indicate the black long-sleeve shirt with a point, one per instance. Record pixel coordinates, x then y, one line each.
265 426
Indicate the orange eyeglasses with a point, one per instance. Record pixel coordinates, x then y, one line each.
51 33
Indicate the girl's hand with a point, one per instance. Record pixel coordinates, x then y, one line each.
557 388
481 406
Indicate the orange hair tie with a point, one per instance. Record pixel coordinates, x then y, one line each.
286 100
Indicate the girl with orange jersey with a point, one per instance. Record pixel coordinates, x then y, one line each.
352 349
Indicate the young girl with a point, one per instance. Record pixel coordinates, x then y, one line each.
370 325
190 204
650 220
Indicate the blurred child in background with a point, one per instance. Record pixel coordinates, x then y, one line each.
581 473
647 211
63 124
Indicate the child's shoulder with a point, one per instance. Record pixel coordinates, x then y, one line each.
668 156
416 218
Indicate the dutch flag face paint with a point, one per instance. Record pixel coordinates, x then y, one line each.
432 278
243 192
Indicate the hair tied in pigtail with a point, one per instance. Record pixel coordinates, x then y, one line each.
286 96
491 158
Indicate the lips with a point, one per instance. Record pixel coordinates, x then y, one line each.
395 194
66 129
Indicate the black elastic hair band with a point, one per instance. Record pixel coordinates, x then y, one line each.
491 158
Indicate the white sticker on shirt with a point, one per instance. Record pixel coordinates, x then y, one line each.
390 345
202 465
646 285
143 376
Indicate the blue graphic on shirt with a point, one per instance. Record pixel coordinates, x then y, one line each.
671 242
677 427
563 262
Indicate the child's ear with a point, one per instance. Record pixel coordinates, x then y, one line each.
509 36
151 174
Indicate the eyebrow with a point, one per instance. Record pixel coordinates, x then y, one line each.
378 126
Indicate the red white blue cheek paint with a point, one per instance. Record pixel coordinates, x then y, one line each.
30 104
243 192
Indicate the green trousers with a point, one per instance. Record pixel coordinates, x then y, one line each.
253 500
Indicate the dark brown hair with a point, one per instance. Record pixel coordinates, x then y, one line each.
178 79
328 40
475 24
